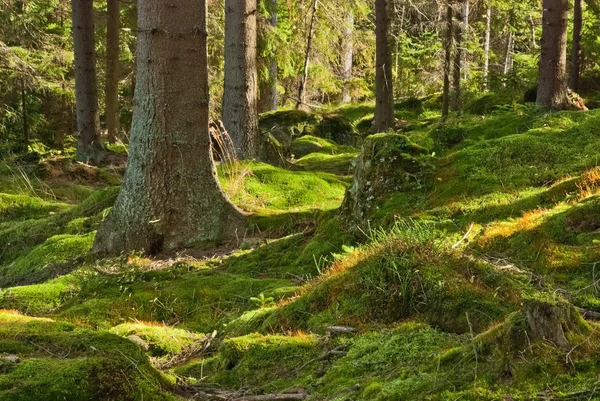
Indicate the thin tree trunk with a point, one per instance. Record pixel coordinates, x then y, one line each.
170 197
301 102
552 87
89 147
533 39
112 69
447 62
24 116
486 46
268 98
576 46
347 55
384 89
240 95
458 57
508 57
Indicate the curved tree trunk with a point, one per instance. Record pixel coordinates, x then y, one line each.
552 88
347 55
89 147
576 46
268 99
384 91
240 97
112 69
170 196
447 62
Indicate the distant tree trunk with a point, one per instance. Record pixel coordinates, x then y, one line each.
89 147
486 47
533 40
301 102
552 87
170 197
447 62
112 69
384 90
576 45
24 116
268 87
240 97
509 49
459 52
347 55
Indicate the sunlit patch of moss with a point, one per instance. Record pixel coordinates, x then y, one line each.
23 207
341 164
311 144
39 298
60 362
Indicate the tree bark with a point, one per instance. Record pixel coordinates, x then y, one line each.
89 147
301 102
112 69
240 93
486 46
268 99
347 55
459 56
552 87
24 116
170 197
384 90
447 62
576 45
509 49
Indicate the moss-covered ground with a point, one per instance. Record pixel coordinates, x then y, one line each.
466 278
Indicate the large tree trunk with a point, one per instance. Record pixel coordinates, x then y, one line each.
170 196
447 62
576 46
346 56
268 84
301 101
384 90
89 147
486 46
240 97
552 87
112 69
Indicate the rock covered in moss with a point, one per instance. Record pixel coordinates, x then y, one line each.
338 129
387 163
284 126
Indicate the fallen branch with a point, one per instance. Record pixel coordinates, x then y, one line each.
193 351
331 330
589 314
221 395
337 351
464 237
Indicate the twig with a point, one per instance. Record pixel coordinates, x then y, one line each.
464 237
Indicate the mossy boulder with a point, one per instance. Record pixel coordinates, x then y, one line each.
386 164
286 125
337 128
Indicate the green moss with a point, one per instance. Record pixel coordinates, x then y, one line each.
22 207
312 144
40 298
64 363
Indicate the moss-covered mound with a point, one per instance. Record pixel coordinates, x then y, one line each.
53 361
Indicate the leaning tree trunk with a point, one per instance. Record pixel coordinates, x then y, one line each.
552 87
509 49
89 147
112 69
170 196
301 101
240 92
384 90
268 99
576 46
346 56
447 62
486 46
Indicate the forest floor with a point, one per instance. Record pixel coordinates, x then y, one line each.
470 280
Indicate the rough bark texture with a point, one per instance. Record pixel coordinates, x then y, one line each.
486 46
552 88
240 95
384 91
576 46
459 34
509 50
311 31
268 98
170 196
112 69
347 54
89 147
447 62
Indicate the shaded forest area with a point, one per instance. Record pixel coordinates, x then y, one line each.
268 200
